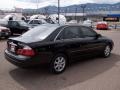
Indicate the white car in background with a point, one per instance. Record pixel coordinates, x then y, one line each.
72 22
53 19
36 22
38 16
14 17
88 23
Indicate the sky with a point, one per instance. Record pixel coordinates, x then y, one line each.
10 4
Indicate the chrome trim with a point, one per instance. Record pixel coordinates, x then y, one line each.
88 49
13 44
60 32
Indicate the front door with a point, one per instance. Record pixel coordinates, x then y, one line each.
92 44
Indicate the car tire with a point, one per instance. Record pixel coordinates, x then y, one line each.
58 64
107 51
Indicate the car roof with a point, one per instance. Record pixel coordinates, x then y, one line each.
36 19
49 25
15 20
75 25
59 25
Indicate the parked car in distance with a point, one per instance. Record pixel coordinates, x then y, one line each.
54 19
72 22
36 22
27 20
56 46
88 23
4 32
102 25
17 27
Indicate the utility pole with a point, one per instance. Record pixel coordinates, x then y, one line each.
58 11
83 11
37 4
76 13
46 11
65 12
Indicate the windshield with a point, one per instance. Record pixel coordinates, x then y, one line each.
49 21
22 23
40 32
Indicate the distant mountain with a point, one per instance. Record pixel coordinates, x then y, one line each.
76 8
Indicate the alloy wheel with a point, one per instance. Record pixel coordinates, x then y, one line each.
59 64
107 51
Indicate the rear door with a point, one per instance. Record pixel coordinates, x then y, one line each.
71 38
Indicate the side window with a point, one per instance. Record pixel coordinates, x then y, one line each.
87 32
16 23
13 23
39 22
9 23
31 22
70 32
36 22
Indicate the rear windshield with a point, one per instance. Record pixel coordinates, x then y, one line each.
40 32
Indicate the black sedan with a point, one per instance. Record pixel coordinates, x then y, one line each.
16 27
56 46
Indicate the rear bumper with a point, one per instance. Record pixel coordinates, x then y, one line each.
21 61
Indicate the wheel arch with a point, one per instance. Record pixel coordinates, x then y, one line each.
62 52
110 44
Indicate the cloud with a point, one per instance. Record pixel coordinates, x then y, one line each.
8 4
43 3
32 1
71 1
106 1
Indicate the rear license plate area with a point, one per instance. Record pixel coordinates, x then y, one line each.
12 48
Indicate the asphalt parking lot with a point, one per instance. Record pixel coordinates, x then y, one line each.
94 74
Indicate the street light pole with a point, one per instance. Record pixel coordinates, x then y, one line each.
75 13
58 11
37 4
83 10
65 12
46 11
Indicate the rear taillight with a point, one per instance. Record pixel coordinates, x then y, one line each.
26 51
